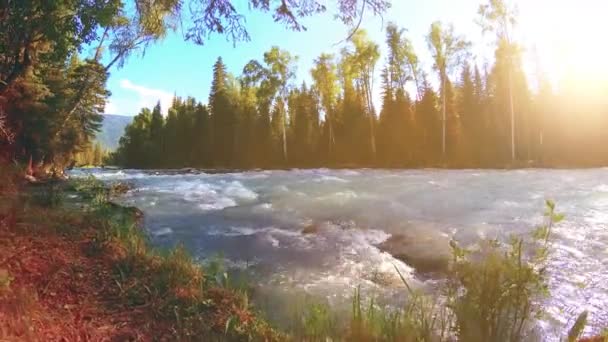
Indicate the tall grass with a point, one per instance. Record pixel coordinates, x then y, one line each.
492 293
170 283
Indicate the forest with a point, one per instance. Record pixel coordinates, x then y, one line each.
78 265
478 116
56 57
53 93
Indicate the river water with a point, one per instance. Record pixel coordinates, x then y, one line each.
255 221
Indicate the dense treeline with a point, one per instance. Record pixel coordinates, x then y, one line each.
55 58
477 116
54 67
92 155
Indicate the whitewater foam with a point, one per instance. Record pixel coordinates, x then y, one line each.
262 214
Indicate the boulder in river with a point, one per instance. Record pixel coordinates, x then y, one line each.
310 229
426 250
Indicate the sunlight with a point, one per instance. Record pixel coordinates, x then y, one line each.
570 36
304 170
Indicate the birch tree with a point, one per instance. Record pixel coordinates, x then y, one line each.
448 51
498 17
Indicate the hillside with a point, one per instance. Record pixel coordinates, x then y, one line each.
112 129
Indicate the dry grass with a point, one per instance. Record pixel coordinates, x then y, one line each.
89 275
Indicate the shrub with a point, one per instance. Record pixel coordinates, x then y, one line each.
170 283
495 292
490 294
48 195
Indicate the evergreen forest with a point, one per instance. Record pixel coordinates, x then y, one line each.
478 115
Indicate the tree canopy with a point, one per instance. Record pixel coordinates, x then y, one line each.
51 101
52 94
267 120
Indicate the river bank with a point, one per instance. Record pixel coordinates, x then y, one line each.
74 266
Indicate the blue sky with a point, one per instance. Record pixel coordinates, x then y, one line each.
173 66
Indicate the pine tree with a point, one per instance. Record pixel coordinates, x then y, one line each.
156 133
170 135
448 51
222 116
134 150
428 117
304 115
201 149
396 118
247 110
363 63
468 110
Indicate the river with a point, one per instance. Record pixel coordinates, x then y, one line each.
257 221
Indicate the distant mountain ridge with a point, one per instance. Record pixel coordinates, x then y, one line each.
113 127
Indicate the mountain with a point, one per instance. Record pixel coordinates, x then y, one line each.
113 127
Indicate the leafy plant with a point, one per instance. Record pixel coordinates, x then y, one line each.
497 295
50 195
577 328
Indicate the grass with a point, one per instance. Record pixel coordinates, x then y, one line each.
501 288
492 293
169 282
58 251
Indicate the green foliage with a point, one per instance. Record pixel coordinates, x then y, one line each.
51 195
89 187
50 101
577 328
93 155
264 121
493 293
501 292
168 282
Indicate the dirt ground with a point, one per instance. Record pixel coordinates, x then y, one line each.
54 287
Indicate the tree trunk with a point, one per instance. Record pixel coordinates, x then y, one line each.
284 142
331 139
370 108
443 118
80 95
512 115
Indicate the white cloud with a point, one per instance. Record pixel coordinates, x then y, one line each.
110 107
148 97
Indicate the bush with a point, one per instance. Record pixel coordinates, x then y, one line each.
170 283
491 294
495 292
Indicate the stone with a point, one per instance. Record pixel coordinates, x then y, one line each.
427 251
310 229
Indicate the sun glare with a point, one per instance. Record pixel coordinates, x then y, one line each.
570 36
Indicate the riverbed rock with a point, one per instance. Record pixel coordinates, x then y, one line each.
310 229
426 250
120 188
128 211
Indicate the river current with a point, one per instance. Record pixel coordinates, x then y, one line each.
317 231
